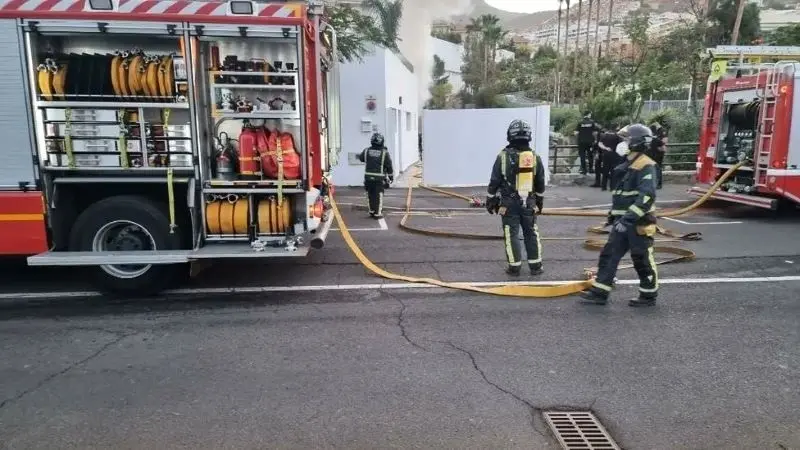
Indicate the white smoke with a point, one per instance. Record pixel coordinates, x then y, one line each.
415 31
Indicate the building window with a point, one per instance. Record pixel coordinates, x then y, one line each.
409 121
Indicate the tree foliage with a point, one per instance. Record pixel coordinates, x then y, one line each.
787 35
357 32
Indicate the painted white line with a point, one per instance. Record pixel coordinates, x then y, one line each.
604 205
701 223
361 229
373 286
382 223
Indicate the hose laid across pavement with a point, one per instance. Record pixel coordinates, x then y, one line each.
529 291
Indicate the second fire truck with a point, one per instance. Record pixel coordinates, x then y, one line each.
752 115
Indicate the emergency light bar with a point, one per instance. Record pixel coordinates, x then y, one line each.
241 8
752 51
102 5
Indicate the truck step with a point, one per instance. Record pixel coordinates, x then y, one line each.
243 250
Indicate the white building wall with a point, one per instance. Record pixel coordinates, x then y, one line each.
453 57
383 78
359 81
402 109
462 144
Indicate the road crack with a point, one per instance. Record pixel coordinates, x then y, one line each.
401 317
51 377
533 410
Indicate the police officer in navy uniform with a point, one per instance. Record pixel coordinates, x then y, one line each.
377 171
516 188
586 138
634 224
658 149
610 159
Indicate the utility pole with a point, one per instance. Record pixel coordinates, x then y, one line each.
738 24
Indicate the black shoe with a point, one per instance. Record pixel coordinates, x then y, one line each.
377 216
536 269
603 189
513 270
642 301
372 215
590 297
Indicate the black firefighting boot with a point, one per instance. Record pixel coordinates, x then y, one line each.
643 300
593 296
536 269
513 270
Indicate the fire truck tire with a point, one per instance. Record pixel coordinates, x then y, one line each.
127 223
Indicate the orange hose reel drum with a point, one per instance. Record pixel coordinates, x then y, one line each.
227 217
249 165
274 218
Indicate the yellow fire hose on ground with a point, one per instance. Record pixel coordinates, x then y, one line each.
530 291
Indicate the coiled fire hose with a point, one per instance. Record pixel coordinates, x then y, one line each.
539 290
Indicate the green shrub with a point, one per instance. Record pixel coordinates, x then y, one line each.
564 120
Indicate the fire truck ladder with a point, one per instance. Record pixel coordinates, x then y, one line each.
766 121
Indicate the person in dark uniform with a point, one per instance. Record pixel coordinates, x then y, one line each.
597 153
634 224
586 130
608 146
516 188
658 149
378 169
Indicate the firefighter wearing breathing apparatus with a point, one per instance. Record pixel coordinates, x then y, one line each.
378 173
516 188
634 223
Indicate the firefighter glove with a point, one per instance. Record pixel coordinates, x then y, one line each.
620 227
539 203
492 204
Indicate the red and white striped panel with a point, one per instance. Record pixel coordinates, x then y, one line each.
172 7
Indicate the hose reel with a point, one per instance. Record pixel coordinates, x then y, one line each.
230 215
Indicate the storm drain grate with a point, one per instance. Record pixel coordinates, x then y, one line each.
579 430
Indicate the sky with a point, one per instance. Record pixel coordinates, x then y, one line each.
524 6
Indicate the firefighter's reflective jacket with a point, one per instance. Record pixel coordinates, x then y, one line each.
517 171
634 195
378 163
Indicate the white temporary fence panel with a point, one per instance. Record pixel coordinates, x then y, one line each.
460 145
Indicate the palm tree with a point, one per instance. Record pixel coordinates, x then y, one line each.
566 32
610 21
596 31
389 14
578 31
588 22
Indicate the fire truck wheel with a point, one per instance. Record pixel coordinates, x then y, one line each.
127 223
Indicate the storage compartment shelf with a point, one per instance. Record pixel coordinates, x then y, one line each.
280 87
110 105
277 115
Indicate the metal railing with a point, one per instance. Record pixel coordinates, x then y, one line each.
680 156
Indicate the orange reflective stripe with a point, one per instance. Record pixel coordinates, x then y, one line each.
21 217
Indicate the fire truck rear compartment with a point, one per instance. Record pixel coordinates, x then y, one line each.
105 135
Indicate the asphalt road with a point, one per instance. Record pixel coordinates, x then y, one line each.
321 354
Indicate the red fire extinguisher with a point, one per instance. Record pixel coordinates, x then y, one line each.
248 153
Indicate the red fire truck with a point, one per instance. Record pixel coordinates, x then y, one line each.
752 114
142 136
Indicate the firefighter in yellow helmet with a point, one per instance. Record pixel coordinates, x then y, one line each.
634 223
516 188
